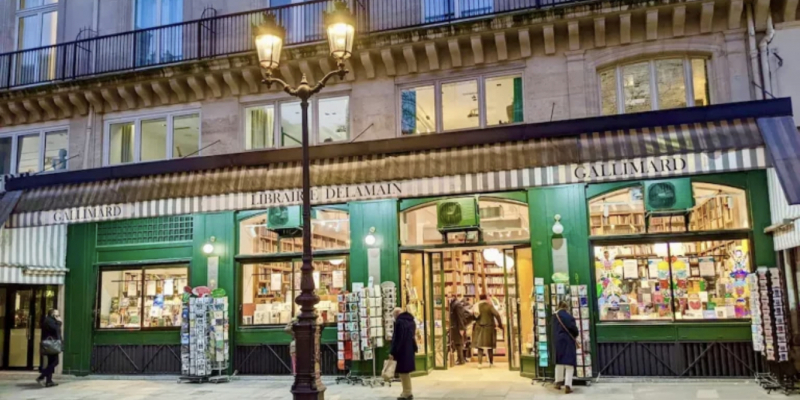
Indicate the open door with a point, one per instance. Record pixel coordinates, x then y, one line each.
415 299
440 312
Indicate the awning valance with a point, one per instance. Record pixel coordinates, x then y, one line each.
33 256
783 142
653 141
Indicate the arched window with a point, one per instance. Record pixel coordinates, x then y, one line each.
657 84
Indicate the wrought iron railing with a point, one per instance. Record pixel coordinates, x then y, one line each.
231 34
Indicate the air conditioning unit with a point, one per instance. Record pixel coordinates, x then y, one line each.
457 214
667 195
286 221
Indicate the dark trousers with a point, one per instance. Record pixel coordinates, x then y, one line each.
50 368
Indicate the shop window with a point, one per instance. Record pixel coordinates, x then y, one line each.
622 212
658 84
500 221
417 298
334 119
154 138
673 281
37 27
330 230
32 152
467 104
270 288
142 298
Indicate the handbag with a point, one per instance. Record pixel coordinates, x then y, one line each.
389 367
51 347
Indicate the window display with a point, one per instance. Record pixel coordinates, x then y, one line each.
279 230
142 298
666 281
269 290
622 212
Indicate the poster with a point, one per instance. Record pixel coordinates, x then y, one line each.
707 266
630 269
151 288
133 290
316 279
338 279
276 282
169 287
652 268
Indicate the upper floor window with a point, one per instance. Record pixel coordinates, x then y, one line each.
152 138
163 45
329 117
444 10
461 104
658 84
37 26
31 152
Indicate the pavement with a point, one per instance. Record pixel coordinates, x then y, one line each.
459 383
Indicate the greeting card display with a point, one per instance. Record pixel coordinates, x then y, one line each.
583 343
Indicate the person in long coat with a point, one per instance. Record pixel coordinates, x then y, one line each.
404 349
484 337
51 329
458 324
565 331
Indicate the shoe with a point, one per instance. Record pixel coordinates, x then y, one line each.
568 390
40 381
50 384
559 385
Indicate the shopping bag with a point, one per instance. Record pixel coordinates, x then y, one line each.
388 370
51 347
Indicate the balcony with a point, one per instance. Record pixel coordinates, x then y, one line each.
232 34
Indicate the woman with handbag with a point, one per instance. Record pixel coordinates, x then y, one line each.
51 347
484 335
565 331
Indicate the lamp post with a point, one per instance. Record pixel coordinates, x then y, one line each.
269 38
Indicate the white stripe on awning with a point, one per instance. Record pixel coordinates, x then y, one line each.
33 256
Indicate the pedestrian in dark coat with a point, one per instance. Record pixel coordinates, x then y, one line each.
404 349
51 329
566 333
458 326
484 335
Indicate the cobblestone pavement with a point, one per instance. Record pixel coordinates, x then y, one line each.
460 383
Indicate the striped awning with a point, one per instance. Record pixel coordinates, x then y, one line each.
783 142
458 161
33 256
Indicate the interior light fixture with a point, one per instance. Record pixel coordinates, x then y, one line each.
336 261
492 254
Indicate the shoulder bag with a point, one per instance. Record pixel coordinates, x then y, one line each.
51 347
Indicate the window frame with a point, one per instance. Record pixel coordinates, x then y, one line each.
292 258
688 80
42 133
313 116
667 238
137 139
142 269
39 11
437 97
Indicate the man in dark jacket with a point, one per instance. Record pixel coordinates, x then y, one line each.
458 326
565 331
51 329
404 349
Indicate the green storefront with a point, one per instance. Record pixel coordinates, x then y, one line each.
255 258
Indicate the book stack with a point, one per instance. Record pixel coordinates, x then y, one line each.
580 311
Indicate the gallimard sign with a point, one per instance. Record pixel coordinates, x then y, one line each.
331 194
93 213
630 168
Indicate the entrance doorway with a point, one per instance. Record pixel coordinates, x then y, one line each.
434 278
22 309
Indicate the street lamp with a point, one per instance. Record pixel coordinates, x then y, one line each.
269 40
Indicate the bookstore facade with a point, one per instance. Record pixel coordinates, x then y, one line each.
654 235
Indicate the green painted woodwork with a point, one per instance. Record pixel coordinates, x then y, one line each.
145 231
276 335
122 256
382 215
520 196
528 365
758 199
79 295
671 332
132 337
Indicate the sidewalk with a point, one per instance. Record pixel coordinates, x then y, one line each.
455 384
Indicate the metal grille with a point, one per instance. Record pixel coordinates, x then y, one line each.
698 360
145 231
136 359
275 360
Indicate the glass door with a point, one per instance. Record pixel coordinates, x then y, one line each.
20 336
439 307
415 299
